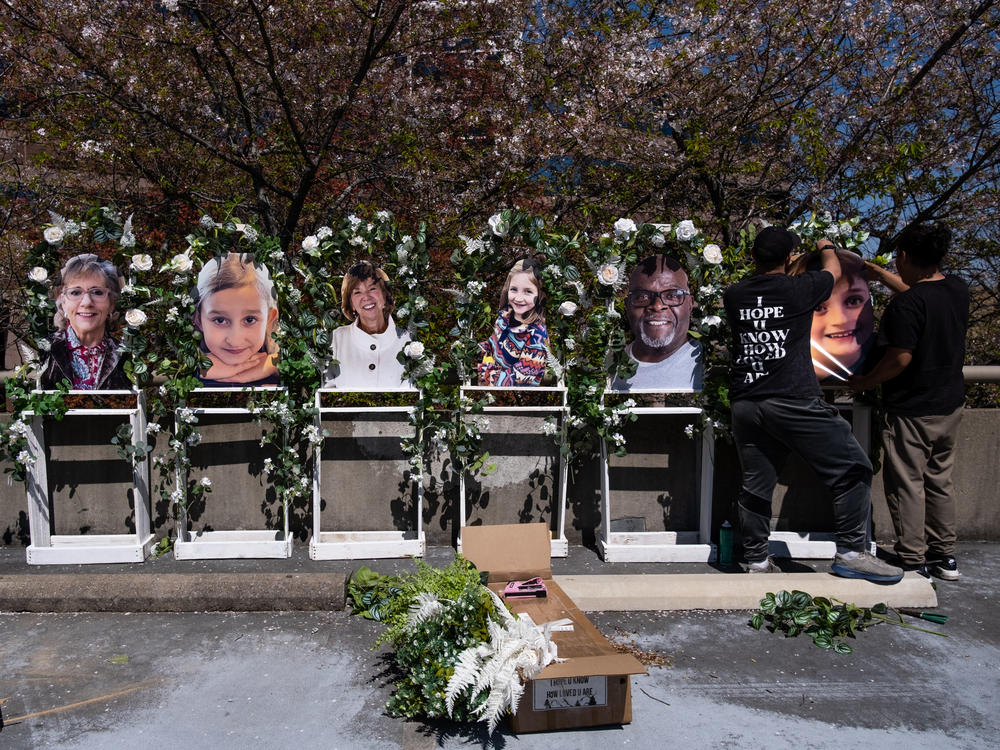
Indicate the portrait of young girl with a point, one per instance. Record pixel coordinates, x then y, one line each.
237 314
516 352
843 326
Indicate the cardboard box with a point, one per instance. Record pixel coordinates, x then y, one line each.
593 686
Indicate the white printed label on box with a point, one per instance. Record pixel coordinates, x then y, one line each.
571 692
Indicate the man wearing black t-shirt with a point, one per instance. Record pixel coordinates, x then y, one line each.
922 343
777 406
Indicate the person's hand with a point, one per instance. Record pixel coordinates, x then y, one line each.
257 367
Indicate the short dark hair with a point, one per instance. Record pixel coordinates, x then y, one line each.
657 264
925 243
773 245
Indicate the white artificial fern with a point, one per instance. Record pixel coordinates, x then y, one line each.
516 651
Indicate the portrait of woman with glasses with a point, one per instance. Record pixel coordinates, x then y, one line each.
658 309
82 350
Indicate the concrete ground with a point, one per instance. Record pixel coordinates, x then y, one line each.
310 679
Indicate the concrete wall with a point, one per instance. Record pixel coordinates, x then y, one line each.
654 487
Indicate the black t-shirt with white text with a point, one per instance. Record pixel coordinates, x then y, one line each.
929 320
771 319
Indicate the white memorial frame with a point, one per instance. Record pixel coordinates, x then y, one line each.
559 543
47 548
822 545
228 544
661 546
350 544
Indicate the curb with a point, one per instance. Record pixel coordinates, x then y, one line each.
173 592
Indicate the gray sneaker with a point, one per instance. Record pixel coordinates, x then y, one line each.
764 566
866 567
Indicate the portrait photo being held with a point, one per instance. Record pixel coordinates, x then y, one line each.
82 350
237 314
658 309
517 350
843 326
366 351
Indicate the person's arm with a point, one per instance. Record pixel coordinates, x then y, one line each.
893 362
887 277
829 259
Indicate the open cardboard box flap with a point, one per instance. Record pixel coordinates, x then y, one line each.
509 552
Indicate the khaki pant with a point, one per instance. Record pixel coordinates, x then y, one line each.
919 457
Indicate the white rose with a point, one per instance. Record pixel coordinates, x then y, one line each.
205 482
657 239
686 230
310 243
712 320
38 274
624 228
181 262
608 274
567 308
414 350
498 226
53 235
712 254
135 317
142 262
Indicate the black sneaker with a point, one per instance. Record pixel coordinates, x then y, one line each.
919 568
944 568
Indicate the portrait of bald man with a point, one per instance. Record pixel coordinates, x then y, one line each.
658 308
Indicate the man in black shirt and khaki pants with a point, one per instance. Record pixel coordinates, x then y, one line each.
921 342
778 407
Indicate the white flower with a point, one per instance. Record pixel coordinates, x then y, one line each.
657 239
173 314
310 243
549 427
323 232
419 304
712 253
72 228
205 482
207 222
712 320
19 428
707 290
689 430
686 231
498 226
38 274
354 221
553 270
181 262
170 5
249 233
53 235
414 350
833 230
567 308
357 240
624 228
846 228
152 428
609 274
570 344
25 458
474 246
383 215
406 243
142 262
135 317
268 466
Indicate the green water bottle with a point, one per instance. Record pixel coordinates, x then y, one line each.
725 544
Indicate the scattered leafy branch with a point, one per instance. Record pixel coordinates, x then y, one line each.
827 621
